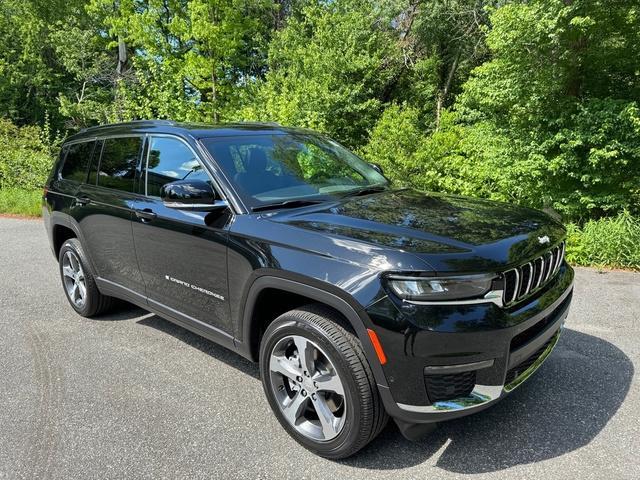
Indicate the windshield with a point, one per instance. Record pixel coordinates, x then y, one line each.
277 168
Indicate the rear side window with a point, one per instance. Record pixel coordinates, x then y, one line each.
77 161
118 163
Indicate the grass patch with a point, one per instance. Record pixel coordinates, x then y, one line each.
17 201
608 242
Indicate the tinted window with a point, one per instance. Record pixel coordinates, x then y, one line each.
171 160
118 163
76 162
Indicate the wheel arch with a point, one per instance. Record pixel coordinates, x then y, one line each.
61 233
353 313
62 224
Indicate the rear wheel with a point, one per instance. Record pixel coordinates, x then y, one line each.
319 383
78 281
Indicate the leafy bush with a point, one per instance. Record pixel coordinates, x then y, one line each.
393 144
20 202
327 70
555 130
26 155
607 242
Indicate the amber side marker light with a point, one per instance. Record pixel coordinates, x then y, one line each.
377 346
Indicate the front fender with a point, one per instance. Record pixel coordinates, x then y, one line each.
321 293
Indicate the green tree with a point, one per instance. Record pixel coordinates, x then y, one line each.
554 113
190 59
30 74
328 70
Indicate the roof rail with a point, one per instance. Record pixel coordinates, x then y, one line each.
134 122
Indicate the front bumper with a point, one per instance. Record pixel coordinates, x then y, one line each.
499 347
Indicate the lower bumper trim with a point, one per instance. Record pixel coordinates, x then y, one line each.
482 395
464 367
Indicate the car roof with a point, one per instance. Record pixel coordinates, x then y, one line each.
197 130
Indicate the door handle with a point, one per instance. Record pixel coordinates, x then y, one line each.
82 200
146 214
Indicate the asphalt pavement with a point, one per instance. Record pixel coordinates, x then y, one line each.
130 395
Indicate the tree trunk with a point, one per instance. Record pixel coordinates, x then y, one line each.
214 95
442 95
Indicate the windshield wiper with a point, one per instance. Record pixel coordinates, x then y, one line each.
364 191
286 204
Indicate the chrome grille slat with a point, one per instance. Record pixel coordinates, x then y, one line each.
516 289
538 266
535 273
547 267
530 264
553 261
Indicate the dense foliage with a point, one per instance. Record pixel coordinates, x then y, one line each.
534 102
26 155
611 242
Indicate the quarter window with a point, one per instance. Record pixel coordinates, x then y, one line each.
170 160
76 162
118 163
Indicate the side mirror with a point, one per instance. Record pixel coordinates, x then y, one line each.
191 195
377 168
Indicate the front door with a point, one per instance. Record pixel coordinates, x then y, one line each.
182 254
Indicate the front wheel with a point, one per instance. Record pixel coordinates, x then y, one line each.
319 383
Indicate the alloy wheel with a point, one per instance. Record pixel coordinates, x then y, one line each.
74 279
307 387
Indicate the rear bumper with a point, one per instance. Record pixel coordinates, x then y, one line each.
467 344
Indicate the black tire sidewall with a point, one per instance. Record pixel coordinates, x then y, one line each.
289 325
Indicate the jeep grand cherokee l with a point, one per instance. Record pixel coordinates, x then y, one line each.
360 301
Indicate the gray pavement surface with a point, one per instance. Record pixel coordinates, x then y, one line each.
130 395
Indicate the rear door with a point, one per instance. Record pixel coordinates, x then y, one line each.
182 254
107 208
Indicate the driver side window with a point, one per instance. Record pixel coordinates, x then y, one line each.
169 160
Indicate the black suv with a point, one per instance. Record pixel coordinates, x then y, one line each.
359 301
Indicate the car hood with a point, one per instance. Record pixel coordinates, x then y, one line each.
449 233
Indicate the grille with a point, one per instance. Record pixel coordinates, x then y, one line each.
533 331
449 386
527 278
516 371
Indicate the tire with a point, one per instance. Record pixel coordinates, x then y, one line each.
355 418
92 302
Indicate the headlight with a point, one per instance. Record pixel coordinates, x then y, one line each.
436 289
